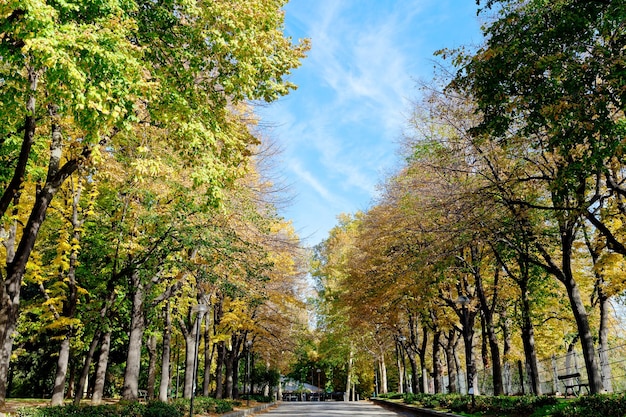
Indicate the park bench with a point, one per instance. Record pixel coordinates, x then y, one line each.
142 394
572 384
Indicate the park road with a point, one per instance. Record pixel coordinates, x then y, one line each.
332 409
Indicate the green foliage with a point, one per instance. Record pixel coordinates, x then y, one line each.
259 398
501 405
161 409
432 401
123 409
595 406
204 405
223 406
496 405
77 411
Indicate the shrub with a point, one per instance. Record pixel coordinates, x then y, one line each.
519 406
258 398
178 408
204 405
181 404
223 406
72 410
132 409
161 409
595 406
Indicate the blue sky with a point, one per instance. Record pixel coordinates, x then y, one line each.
339 130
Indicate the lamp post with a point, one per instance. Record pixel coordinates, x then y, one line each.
375 378
319 371
200 309
249 383
401 340
469 364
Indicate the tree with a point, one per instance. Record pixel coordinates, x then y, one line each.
75 75
547 81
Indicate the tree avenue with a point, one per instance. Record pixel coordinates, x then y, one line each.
125 127
143 250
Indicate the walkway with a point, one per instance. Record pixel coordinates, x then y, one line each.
332 409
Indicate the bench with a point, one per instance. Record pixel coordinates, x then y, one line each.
572 384
142 394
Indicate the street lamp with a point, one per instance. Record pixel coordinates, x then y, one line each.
464 302
200 309
401 340
319 371
249 383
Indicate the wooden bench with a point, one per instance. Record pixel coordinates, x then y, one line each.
572 384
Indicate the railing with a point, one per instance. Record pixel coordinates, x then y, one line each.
612 364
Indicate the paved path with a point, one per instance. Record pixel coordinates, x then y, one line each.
332 409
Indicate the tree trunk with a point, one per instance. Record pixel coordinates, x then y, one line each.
496 362
467 323
15 267
137 328
228 374
450 351
30 126
70 305
208 357
400 368
383 374
422 357
236 359
346 395
414 370
165 356
603 304
604 342
71 381
437 371
101 370
586 337
82 381
219 377
59 380
152 351
190 354
528 340
506 366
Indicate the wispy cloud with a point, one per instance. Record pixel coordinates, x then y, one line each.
341 126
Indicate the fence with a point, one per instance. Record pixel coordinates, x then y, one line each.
612 363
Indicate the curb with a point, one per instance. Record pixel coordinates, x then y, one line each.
248 411
421 412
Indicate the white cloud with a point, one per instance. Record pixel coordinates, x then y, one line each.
340 127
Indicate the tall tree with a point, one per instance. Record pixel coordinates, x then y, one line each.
75 74
548 79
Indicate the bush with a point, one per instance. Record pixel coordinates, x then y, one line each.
595 406
204 405
258 398
431 400
223 406
181 404
161 409
132 409
519 406
178 408
78 411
